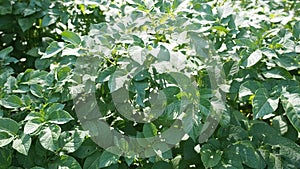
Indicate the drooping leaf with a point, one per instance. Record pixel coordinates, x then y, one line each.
105 74
33 125
277 73
245 153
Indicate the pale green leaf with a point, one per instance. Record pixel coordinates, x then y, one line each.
291 106
22 144
49 137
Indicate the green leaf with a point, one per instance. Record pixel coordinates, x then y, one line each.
263 104
92 161
107 159
253 58
54 107
11 102
9 125
277 73
249 88
141 92
164 54
117 80
4 52
70 141
296 30
71 37
48 20
105 74
53 49
6 155
22 144
33 125
200 45
209 156
5 7
37 90
291 105
5 138
162 165
26 23
59 117
149 130
63 72
87 148
65 162
287 62
49 137
245 153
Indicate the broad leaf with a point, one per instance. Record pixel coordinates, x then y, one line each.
70 141
107 159
11 102
209 156
5 138
71 37
149 130
164 54
65 162
53 49
22 144
59 117
291 106
9 125
4 52
263 104
49 137
253 58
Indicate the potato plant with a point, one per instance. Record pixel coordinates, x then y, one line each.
149 84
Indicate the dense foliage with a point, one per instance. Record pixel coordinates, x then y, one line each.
218 81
